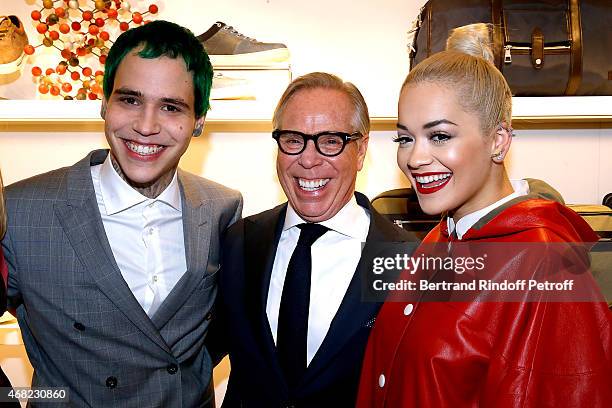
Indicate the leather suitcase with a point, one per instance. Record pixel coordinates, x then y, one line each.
401 207
543 48
599 217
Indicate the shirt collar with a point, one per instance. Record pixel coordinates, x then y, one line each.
521 188
118 195
343 222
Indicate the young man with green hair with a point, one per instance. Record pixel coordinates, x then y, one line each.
113 260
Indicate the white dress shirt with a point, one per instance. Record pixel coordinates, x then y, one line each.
145 234
334 260
521 188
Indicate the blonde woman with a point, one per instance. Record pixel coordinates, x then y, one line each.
454 132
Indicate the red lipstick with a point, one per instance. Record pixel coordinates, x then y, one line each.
433 186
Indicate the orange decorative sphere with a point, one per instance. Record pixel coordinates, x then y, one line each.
96 88
41 28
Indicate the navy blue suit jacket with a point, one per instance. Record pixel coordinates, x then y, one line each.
242 328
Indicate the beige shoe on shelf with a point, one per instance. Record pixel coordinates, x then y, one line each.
13 39
227 47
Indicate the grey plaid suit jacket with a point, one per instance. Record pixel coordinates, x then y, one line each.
82 327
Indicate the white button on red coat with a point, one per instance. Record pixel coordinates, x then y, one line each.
408 309
381 381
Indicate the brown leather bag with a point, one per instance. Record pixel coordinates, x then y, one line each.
543 48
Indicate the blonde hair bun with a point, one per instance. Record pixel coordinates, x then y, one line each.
472 39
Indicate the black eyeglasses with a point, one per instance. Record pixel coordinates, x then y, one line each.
328 143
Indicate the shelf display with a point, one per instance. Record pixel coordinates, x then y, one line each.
74 39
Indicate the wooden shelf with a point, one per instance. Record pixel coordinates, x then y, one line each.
530 113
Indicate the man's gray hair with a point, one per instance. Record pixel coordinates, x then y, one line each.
323 80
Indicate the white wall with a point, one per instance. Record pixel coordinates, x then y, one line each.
577 162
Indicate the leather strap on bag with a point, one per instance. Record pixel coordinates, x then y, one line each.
537 48
498 39
573 82
429 29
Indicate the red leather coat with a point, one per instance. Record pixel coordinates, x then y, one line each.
494 354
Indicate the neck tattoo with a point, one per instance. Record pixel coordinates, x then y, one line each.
149 190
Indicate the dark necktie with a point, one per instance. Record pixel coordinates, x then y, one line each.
293 314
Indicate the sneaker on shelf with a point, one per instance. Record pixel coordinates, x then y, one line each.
227 47
229 88
13 39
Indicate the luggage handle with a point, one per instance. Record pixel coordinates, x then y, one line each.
575 77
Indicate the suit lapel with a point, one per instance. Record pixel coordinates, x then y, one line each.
197 232
353 313
80 218
261 235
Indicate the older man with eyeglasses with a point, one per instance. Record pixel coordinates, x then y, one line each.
291 314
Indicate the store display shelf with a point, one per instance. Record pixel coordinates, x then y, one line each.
82 116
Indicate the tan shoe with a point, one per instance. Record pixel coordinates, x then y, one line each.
13 39
227 47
